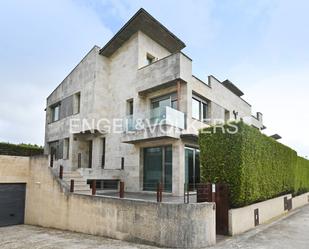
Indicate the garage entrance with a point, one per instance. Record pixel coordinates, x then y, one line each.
12 203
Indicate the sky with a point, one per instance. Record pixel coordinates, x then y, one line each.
261 46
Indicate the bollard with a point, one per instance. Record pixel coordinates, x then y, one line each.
94 187
159 192
121 189
51 164
72 186
186 195
213 192
61 172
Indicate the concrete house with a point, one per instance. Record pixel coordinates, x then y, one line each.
131 111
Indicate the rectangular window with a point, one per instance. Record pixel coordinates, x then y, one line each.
130 107
166 100
76 104
56 149
200 109
196 109
55 112
205 111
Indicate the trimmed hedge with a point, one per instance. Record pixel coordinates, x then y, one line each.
301 176
255 167
20 149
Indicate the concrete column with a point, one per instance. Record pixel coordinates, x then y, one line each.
178 169
96 152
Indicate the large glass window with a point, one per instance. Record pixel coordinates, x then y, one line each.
195 109
200 109
158 168
166 100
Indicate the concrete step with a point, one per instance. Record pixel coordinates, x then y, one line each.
81 188
71 175
79 179
83 192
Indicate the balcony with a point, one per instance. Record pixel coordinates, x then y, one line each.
162 122
164 73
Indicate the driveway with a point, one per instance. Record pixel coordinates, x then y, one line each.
291 232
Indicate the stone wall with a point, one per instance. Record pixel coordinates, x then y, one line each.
49 204
301 200
242 219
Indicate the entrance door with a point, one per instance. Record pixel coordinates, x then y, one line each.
192 167
158 168
12 204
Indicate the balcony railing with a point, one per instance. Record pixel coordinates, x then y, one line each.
158 116
168 116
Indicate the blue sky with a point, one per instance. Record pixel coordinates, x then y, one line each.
261 46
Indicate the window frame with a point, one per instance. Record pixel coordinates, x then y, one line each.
203 108
53 108
172 97
130 107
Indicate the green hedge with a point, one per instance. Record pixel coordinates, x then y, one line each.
20 149
301 176
255 167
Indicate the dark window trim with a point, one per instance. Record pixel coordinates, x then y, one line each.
103 152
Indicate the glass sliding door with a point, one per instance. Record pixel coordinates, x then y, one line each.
168 168
192 167
158 168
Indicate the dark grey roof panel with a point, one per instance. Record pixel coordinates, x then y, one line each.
229 85
144 22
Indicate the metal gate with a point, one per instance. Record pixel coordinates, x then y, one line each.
218 193
12 203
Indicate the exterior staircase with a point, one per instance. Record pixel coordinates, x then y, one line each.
80 184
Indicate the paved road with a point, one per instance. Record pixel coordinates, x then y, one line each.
31 237
291 232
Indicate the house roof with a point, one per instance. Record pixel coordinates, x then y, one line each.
229 85
146 23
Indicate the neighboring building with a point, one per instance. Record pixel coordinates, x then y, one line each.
139 76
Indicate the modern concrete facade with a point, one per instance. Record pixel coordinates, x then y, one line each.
141 83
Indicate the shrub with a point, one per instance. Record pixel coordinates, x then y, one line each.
255 167
20 149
